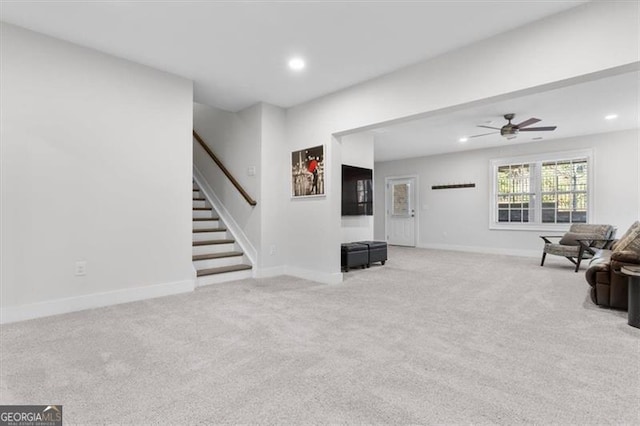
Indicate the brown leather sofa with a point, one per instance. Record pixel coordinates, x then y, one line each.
608 285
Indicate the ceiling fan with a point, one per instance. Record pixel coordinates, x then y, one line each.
510 130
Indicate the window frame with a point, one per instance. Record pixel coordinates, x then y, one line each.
536 182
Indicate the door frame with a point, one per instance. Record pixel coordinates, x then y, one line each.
416 221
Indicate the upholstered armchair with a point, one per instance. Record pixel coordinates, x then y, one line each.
579 243
608 285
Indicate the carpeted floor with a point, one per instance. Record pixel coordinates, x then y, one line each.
432 337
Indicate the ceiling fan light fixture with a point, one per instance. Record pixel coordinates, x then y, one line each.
510 130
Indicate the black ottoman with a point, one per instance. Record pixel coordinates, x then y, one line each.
377 251
353 255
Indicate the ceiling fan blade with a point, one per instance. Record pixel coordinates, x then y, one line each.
484 134
539 129
488 127
528 122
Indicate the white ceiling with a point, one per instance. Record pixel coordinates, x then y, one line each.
576 110
236 52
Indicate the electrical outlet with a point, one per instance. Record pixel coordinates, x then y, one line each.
272 250
81 268
251 171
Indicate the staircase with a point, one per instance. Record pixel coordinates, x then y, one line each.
217 257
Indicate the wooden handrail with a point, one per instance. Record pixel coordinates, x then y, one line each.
226 172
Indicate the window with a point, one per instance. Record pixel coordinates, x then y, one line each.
400 199
541 192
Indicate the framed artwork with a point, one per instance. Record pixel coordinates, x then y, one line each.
308 172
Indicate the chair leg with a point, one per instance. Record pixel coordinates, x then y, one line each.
544 254
580 254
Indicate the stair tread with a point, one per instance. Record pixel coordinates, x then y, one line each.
217 255
223 269
210 230
212 242
200 219
202 208
199 199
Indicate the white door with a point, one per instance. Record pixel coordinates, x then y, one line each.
401 214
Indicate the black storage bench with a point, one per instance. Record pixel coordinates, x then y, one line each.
377 251
354 255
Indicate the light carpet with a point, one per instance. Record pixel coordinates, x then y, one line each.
432 337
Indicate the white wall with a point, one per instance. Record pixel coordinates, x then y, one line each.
235 138
96 166
593 38
357 150
458 219
275 187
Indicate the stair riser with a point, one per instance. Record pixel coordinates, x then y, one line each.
204 224
214 248
199 204
204 236
223 278
202 213
217 263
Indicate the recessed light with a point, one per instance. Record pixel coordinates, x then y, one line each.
611 117
297 64
463 140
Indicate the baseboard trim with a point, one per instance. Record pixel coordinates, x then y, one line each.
90 301
317 276
485 250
